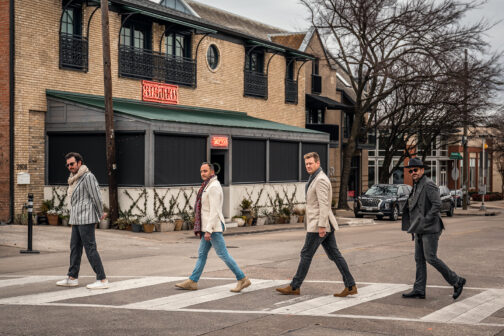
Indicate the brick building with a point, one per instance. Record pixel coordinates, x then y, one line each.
235 85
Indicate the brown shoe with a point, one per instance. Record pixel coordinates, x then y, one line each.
187 284
347 292
243 283
289 291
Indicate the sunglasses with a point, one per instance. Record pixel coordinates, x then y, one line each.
414 170
71 164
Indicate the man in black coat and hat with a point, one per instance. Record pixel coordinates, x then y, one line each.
422 218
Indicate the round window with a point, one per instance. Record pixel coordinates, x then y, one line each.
213 56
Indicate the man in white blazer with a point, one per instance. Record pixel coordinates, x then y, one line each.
320 226
209 226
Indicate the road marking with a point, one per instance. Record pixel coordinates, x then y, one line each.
471 310
192 298
72 293
29 280
328 304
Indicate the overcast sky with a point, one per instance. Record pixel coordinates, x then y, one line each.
292 16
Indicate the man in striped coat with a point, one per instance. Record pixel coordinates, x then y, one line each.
86 210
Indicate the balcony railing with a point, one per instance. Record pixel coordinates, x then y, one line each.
147 64
73 52
316 84
256 84
291 91
332 129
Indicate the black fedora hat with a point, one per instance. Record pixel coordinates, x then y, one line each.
415 162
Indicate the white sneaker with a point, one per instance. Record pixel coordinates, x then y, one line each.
98 284
68 282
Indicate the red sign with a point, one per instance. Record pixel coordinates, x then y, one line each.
159 92
219 141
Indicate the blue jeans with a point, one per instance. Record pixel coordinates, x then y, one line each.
217 241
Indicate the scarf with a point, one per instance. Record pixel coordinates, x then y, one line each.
73 178
311 178
197 205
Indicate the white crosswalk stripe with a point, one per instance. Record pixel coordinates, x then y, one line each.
471 310
72 293
328 304
28 280
192 298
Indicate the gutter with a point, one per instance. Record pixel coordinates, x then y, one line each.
11 108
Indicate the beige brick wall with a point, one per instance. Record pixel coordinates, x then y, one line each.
37 69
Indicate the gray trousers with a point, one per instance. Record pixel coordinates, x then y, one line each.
426 246
312 242
84 236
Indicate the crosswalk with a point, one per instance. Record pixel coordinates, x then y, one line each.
477 307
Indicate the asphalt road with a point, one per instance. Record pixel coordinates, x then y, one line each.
143 268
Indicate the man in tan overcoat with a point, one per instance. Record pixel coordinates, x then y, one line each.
320 226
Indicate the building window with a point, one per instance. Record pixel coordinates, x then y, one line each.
256 82
371 172
213 56
130 154
291 85
315 116
178 44
136 58
177 67
73 46
316 86
249 161
177 159
284 161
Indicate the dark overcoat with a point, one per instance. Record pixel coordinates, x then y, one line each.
421 213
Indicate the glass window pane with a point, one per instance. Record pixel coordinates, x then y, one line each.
139 39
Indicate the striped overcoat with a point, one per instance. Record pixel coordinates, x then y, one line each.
86 205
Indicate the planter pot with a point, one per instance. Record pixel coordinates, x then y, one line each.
165 226
52 219
186 226
148 227
262 221
64 221
136 227
239 221
250 221
293 219
300 219
41 220
104 224
178 224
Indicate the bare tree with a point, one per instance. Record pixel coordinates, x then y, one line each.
374 39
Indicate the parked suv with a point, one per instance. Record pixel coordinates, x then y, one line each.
447 201
382 200
457 196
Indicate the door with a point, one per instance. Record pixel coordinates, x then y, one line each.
219 159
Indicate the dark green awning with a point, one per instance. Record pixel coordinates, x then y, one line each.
178 113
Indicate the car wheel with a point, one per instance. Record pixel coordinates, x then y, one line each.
357 215
450 212
379 217
395 214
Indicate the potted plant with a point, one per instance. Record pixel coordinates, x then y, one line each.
179 222
136 226
148 225
246 208
122 223
300 213
188 220
53 216
262 219
240 220
64 217
42 214
165 223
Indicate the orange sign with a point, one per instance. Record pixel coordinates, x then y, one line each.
219 141
159 92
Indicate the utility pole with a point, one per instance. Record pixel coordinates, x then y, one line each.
465 170
109 115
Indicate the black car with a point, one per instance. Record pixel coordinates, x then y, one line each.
382 200
447 201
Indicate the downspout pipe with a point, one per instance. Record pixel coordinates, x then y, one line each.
11 109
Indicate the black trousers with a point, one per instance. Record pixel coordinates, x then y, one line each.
84 236
426 246
312 242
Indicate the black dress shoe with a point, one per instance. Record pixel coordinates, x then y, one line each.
414 295
457 289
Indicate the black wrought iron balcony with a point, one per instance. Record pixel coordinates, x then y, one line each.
256 84
148 64
316 83
332 129
291 91
73 52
